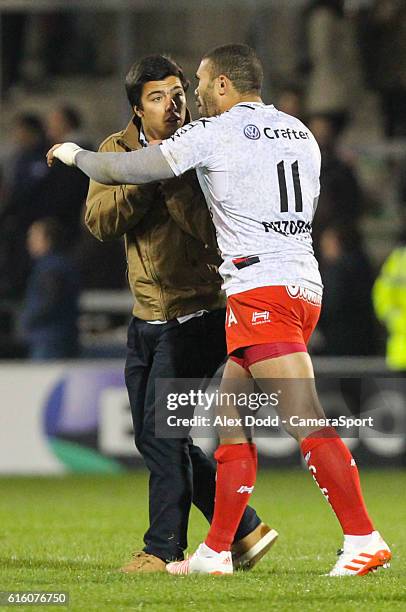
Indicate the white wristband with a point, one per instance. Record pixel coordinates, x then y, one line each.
66 153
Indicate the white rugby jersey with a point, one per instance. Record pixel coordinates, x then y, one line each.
259 170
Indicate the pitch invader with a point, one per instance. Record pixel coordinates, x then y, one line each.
262 193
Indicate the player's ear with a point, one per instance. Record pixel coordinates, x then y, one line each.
222 84
138 111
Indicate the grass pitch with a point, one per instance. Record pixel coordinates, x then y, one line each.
72 533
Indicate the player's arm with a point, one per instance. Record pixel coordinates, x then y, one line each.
111 211
135 168
192 146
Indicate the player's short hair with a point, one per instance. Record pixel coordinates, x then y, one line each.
240 64
151 68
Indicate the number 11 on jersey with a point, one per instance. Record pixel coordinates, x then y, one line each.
283 192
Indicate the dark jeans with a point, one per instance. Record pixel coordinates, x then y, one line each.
180 473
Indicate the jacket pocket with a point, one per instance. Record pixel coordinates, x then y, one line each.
202 260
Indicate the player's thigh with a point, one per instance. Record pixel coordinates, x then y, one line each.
234 371
292 377
293 365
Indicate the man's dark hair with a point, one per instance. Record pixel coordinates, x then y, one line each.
240 64
151 68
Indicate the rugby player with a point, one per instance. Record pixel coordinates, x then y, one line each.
259 171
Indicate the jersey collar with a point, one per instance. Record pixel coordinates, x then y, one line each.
250 104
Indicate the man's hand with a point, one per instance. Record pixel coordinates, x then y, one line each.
65 152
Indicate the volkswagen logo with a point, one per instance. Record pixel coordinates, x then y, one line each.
252 132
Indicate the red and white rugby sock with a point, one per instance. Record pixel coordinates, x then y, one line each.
336 473
236 473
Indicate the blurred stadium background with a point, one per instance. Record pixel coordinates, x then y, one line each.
341 67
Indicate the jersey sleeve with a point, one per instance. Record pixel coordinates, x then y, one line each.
192 146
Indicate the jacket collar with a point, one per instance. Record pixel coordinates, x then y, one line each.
130 137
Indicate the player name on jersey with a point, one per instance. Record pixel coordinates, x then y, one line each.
288 227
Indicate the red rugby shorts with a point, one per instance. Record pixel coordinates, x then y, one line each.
267 315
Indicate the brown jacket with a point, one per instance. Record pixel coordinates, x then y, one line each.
170 241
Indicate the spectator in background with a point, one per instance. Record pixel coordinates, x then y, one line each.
389 299
36 191
64 123
13 27
382 40
65 189
341 199
28 167
26 174
38 45
347 320
50 312
267 35
334 66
